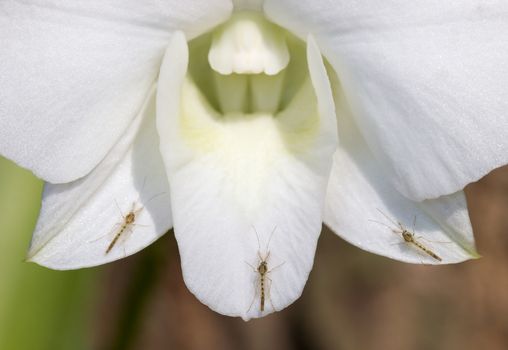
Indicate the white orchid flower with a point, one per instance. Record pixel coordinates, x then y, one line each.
223 121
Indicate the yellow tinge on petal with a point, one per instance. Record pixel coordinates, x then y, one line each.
250 124
248 145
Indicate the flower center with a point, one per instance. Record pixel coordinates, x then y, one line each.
248 97
248 44
247 66
263 115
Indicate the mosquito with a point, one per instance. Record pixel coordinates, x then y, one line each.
128 223
129 220
262 271
408 236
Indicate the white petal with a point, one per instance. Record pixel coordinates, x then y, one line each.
363 207
79 220
428 82
229 178
74 74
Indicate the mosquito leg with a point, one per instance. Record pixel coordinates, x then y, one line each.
276 267
269 293
431 241
253 268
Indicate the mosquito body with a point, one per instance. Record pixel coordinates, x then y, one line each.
129 221
127 224
409 236
263 271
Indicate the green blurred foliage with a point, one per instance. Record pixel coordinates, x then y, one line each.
39 308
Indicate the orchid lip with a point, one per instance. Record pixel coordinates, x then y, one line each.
246 150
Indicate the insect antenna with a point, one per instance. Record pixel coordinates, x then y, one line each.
387 217
119 210
270 238
257 237
381 223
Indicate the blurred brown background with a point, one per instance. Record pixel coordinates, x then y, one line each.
353 299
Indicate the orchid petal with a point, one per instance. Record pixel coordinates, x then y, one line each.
427 82
234 183
364 208
79 220
75 73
